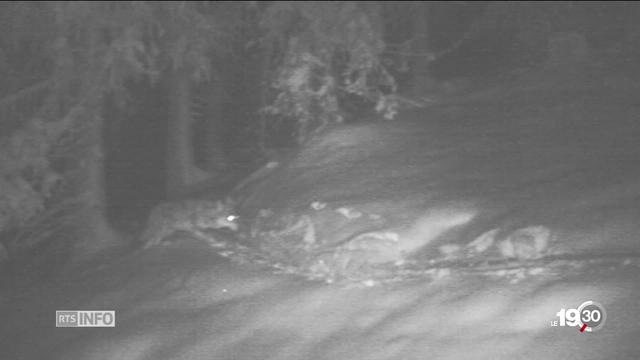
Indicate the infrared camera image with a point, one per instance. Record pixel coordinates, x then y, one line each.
319 180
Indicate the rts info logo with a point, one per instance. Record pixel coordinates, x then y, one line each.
83 318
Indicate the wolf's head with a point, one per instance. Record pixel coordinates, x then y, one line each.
218 215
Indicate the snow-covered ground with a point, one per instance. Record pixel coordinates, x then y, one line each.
489 212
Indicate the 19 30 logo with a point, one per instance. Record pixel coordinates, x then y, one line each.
590 316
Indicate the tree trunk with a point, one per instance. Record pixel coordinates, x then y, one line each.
181 167
209 119
95 233
421 79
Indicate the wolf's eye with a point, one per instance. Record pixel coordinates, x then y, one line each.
232 218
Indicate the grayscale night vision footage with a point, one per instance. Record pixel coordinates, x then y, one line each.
319 180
